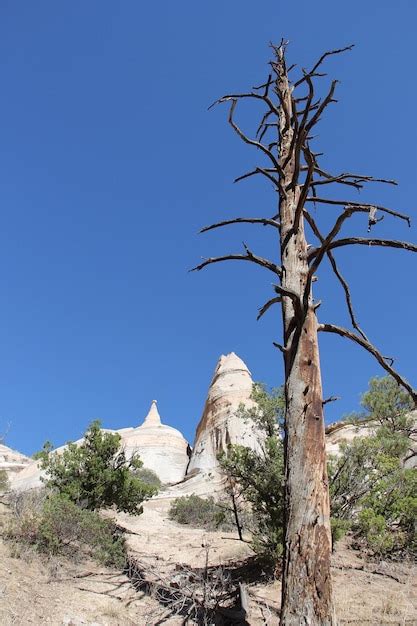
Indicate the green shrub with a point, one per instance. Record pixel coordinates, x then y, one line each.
96 473
259 474
42 454
148 477
375 530
371 489
372 492
55 526
339 528
200 513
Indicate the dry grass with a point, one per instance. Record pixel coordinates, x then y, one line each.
381 594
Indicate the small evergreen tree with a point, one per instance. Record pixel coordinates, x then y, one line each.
96 473
257 472
373 487
47 447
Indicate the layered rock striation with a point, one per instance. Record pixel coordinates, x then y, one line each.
220 424
162 449
11 461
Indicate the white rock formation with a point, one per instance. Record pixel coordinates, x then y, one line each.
220 424
12 461
341 432
27 478
162 449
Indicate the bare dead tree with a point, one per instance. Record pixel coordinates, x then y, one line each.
291 112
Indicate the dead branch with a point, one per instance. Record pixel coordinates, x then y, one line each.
263 309
355 180
242 220
339 276
305 188
330 399
348 297
309 100
265 171
279 346
242 96
314 106
195 594
264 85
363 241
290 294
266 127
313 71
401 216
325 246
344 332
249 256
327 100
376 572
329 179
251 142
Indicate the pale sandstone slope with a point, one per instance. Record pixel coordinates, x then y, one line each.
162 449
11 461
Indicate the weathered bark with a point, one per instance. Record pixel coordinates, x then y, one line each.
306 581
306 590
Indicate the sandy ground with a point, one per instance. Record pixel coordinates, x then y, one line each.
365 593
35 591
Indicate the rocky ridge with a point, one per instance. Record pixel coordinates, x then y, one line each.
164 449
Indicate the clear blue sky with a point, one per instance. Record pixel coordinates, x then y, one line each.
109 164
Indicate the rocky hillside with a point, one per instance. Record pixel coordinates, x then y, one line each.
62 593
165 450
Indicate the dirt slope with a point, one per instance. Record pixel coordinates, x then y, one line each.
35 591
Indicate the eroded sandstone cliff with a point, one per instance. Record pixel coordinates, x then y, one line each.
165 450
220 423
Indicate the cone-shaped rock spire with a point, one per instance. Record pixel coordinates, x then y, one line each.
220 424
161 448
153 418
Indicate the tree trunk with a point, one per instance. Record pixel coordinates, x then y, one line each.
306 582
307 590
235 510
